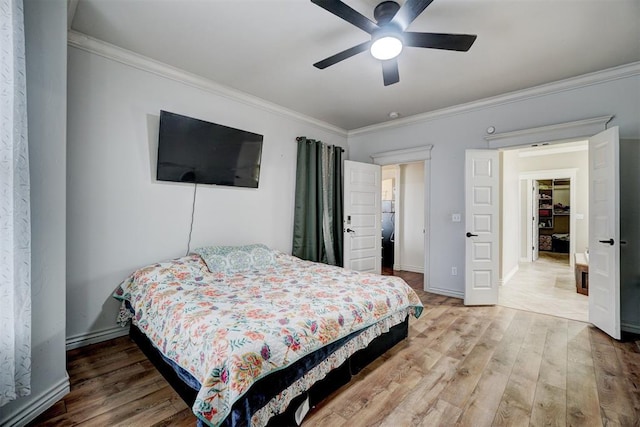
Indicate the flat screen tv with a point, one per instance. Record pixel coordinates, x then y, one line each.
192 150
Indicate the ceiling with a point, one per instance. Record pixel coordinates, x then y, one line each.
266 48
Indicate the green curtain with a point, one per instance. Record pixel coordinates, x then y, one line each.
317 219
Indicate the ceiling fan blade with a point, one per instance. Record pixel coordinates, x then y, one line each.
390 73
334 59
408 12
350 15
459 42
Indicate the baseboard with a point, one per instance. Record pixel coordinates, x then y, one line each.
509 275
634 329
81 340
411 268
446 292
39 404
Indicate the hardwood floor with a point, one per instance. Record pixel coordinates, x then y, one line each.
460 366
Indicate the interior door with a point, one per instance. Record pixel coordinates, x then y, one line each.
535 231
482 203
362 217
604 232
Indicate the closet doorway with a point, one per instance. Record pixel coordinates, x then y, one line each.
551 231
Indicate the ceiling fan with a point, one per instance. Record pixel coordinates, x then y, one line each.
389 35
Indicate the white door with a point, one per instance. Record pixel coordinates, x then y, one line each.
362 217
482 202
535 227
604 232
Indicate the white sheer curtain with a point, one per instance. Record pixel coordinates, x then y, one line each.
15 225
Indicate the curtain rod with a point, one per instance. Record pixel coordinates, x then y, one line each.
300 138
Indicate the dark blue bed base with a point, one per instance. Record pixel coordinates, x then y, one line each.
266 388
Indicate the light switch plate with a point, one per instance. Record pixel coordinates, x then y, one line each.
456 217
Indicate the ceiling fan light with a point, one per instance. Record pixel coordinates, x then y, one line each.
386 47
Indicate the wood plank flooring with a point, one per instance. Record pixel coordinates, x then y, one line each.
461 366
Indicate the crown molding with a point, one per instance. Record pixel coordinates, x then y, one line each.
555 132
98 47
406 155
572 83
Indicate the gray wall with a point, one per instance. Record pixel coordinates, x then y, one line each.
630 231
452 134
410 236
121 218
46 59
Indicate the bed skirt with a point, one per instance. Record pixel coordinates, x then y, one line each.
266 388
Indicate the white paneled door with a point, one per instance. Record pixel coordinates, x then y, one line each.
604 232
362 217
482 201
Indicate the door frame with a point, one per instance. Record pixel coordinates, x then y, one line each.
414 155
531 176
557 133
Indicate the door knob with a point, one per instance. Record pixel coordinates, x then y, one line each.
471 235
348 230
610 241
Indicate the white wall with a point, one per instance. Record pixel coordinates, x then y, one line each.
388 178
120 218
510 220
46 59
388 172
525 218
411 237
451 134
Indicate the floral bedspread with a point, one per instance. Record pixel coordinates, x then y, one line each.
228 330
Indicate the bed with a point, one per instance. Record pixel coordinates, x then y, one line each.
252 336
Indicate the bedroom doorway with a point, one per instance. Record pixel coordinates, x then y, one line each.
538 244
403 217
603 225
420 157
603 153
